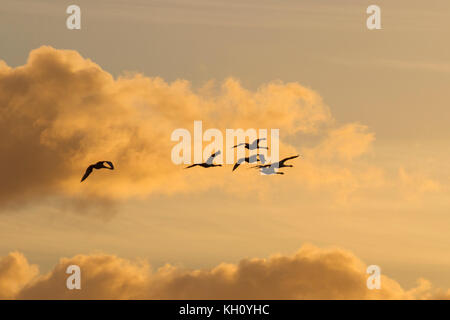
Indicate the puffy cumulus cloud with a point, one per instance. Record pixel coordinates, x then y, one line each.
60 112
15 273
330 165
311 273
103 277
343 143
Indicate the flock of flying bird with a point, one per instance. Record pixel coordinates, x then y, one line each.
267 169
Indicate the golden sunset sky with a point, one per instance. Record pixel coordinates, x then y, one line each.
368 110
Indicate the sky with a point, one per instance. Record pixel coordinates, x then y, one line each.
367 109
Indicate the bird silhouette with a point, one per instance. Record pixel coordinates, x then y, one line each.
279 164
269 171
98 165
271 168
209 163
252 146
252 159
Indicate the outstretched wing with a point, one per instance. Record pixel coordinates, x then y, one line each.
286 159
254 158
260 166
211 158
238 163
262 158
257 141
110 164
240 144
87 173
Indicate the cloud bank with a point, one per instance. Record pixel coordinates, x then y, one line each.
61 112
310 273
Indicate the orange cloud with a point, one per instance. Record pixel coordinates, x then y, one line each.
15 273
311 273
60 112
343 143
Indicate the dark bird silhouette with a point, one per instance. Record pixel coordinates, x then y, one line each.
252 159
279 164
98 165
269 169
252 146
209 163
